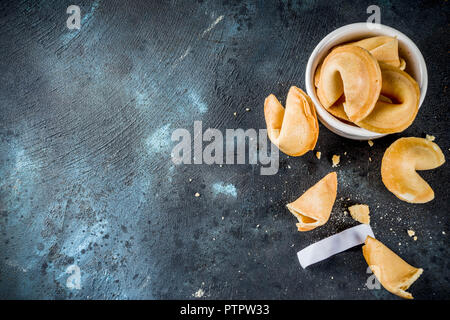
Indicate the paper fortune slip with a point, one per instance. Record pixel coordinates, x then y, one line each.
330 246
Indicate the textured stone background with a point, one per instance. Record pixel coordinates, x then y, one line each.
86 176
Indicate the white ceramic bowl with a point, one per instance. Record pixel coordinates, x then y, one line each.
415 66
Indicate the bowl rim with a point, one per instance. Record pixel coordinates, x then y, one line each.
328 120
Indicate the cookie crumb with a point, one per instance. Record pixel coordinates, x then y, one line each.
197 194
318 154
235 114
429 137
199 293
370 142
415 238
411 233
336 159
247 109
360 213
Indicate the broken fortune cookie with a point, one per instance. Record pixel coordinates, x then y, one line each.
394 274
313 208
293 130
360 213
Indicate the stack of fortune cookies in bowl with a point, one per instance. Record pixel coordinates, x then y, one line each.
364 83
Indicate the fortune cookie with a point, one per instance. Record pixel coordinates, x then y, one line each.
313 208
399 165
394 274
353 72
384 49
293 130
399 114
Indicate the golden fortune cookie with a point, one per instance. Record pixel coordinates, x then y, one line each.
353 72
400 163
392 117
384 49
293 130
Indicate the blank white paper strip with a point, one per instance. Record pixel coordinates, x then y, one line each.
330 246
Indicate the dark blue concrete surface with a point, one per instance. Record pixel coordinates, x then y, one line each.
85 171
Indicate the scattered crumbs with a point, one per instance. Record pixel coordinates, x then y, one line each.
332 278
223 218
220 165
360 213
411 233
199 293
292 245
336 159
443 232
370 159
190 180
257 225
345 212
399 243
289 166
214 239
430 137
197 194
318 154
235 114
370 142
345 153
415 238
247 109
